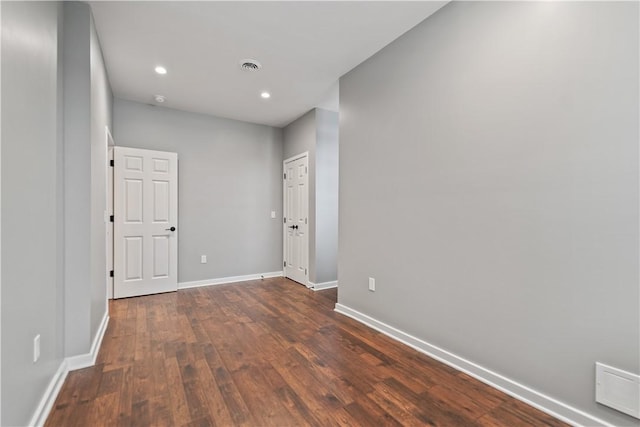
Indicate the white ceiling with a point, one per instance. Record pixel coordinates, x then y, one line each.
303 46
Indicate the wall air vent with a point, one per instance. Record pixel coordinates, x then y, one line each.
250 65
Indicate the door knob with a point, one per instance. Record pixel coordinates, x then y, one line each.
295 227
170 229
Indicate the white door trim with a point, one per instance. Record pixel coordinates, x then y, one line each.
296 157
108 213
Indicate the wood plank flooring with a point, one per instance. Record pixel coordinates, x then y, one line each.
267 353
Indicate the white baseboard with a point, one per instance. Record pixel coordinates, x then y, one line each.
68 364
323 285
89 359
519 391
51 393
225 280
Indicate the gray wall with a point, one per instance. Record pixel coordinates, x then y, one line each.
326 268
300 136
77 176
31 293
317 133
229 182
489 182
101 118
55 100
88 104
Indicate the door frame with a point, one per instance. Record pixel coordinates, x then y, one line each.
284 209
109 212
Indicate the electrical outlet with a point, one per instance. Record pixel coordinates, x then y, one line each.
36 348
273 214
372 284
203 259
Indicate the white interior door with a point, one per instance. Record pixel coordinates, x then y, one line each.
296 213
145 222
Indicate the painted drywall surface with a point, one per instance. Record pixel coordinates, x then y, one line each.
88 104
316 132
229 181
77 176
326 196
29 204
299 136
101 112
489 182
60 226
46 49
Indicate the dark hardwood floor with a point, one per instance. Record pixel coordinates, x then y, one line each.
267 353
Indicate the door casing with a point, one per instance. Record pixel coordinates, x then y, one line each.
109 213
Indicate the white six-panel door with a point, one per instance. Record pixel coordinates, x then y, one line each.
296 213
145 222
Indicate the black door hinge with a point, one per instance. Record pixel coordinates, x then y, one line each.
111 273
284 220
111 163
285 263
111 218
285 176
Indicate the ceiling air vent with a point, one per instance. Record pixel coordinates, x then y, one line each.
250 65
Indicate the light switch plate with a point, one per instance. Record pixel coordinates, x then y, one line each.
36 348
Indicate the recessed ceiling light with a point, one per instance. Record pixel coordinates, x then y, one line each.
160 98
265 95
161 70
